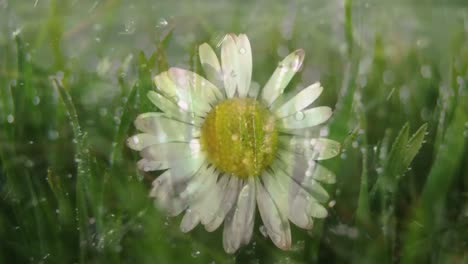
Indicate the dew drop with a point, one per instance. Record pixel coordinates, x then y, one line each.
36 100
242 51
299 116
135 140
10 118
162 23
195 253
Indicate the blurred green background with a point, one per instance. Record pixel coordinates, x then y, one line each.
74 75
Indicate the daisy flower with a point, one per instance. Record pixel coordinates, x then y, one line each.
228 148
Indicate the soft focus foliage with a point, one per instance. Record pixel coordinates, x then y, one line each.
74 75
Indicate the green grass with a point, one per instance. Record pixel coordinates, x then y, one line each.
74 75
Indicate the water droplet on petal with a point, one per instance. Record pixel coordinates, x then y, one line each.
242 51
10 118
299 116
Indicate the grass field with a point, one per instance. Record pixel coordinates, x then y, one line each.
75 74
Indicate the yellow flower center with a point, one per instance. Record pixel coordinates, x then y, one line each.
239 136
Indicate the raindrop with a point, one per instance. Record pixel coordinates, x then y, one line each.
135 140
183 105
29 163
299 116
343 156
379 170
10 118
195 253
388 77
17 32
242 50
324 132
52 134
426 71
162 23
36 100
103 111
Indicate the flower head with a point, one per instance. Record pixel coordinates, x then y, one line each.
226 148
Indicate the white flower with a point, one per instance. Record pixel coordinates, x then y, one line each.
227 148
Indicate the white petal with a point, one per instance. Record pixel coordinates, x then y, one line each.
165 129
320 173
311 148
197 185
183 166
165 85
190 221
307 118
194 93
277 224
210 65
302 166
212 200
198 193
229 62
238 225
303 205
175 191
141 141
317 210
298 213
171 151
284 188
231 192
172 110
296 166
323 148
165 194
300 101
282 75
149 165
245 65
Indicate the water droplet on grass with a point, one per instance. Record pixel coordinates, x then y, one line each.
162 23
36 100
10 118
